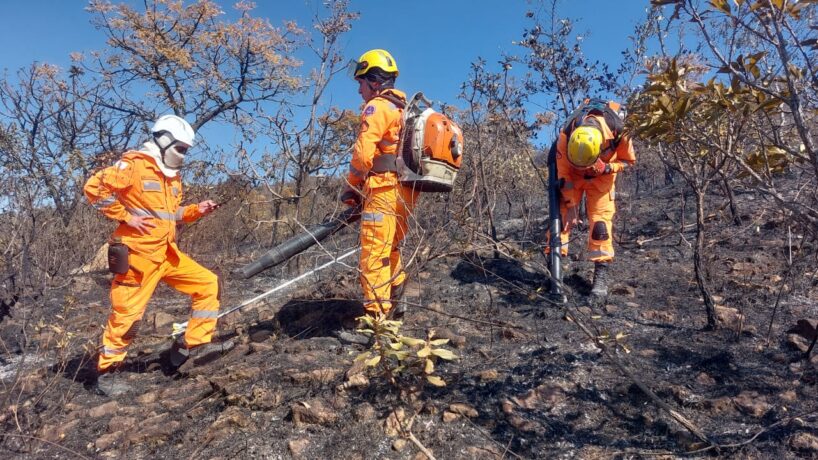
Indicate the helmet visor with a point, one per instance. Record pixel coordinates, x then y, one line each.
356 68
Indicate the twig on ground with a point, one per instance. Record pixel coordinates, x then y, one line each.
464 318
420 446
777 424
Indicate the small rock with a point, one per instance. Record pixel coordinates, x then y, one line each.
648 353
610 309
457 341
721 405
729 317
107 409
632 305
656 315
148 398
298 446
511 334
399 444
393 425
751 403
798 342
260 347
623 290
484 452
463 409
105 441
312 412
524 425
508 407
789 396
56 432
324 375
364 412
489 375
704 379
162 320
120 424
449 417
804 442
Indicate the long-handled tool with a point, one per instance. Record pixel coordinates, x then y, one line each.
180 328
299 243
555 226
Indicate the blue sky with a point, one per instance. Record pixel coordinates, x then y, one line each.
433 41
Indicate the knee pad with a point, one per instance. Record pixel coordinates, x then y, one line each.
599 231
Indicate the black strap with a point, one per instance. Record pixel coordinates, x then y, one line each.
385 162
393 98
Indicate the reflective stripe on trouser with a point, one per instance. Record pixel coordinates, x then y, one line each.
601 211
131 292
383 227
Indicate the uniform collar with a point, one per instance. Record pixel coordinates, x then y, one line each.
151 150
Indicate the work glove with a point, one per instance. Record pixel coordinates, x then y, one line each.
350 196
597 169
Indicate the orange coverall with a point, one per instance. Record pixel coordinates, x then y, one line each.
387 204
599 191
135 186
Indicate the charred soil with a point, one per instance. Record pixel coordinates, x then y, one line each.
528 383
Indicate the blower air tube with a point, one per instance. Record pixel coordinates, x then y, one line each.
299 243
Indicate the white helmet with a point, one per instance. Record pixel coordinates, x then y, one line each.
179 129
174 136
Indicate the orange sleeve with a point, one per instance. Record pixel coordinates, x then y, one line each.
568 192
103 188
625 152
374 123
186 214
190 213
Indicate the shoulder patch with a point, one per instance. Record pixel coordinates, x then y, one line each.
369 110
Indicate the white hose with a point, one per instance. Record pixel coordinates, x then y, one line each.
179 328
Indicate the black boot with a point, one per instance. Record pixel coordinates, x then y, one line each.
398 310
111 382
351 336
600 288
206 352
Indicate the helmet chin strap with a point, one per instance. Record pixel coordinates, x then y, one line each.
161 139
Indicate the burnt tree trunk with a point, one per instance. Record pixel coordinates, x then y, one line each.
698 264
731 197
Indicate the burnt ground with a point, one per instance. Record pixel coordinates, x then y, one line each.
527 384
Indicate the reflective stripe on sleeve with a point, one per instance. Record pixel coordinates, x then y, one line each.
600 254
105 202
180 214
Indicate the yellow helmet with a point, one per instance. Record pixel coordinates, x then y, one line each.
584 146
374 59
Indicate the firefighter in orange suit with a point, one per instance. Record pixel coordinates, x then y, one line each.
591 151
143 192
373 180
